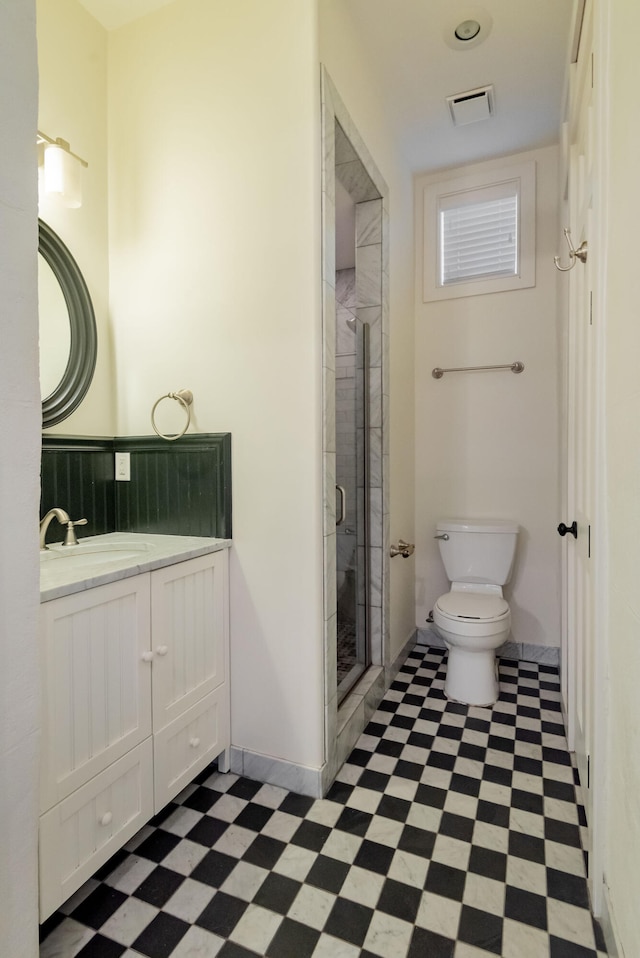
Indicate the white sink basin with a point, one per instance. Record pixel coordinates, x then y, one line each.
94 553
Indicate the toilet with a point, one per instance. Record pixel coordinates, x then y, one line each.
474 618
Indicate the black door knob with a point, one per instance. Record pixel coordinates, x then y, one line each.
573 529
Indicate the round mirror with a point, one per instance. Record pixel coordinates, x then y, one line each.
68 338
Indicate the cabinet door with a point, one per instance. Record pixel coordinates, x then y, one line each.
189 604
81 833
96 682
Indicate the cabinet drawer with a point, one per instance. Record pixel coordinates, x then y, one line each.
189 744
82 832
97 688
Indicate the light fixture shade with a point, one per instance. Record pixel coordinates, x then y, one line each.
62 175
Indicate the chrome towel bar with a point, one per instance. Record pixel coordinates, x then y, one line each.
438 373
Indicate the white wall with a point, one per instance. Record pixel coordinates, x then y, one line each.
487 443
72 63
20 420
355 80
621 199
215 285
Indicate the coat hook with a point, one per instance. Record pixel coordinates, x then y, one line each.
574 254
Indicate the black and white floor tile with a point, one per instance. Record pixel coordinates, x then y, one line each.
451 832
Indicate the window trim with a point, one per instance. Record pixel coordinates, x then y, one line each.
525 176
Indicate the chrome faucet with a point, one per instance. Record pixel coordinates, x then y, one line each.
70 538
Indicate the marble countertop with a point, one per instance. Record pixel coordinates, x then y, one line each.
97 560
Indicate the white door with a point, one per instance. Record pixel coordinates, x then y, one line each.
581 424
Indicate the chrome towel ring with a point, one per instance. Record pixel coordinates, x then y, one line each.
185 398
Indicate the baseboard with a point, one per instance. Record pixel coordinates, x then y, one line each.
607 923
301 779
518 651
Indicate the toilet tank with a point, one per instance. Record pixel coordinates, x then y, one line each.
477 550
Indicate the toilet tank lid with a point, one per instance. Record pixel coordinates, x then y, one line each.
478 525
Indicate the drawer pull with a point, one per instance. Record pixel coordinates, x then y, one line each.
106 819
162 649
147 656
194 742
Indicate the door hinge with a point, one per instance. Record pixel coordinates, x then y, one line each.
592 71
588 771
588 542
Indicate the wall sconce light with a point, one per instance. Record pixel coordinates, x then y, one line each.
61 171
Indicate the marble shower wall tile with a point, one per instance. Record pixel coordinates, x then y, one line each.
353 136
346 340
375 394
328 144
356 181
329 410
368 273
329 229
369 223
344 151
376 635
375 458
330 768
376 576
352 728
346 287
329 336
329 493
385 248
330 658
375 501
330 591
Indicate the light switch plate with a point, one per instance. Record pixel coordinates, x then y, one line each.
123 466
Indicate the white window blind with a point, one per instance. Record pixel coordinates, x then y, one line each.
478 234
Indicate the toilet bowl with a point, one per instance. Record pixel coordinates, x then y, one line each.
473 625
473 618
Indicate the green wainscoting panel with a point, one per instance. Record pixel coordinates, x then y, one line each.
176 488
77 476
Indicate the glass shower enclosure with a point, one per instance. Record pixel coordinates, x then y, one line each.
352 487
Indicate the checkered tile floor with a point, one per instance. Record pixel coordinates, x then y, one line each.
451 832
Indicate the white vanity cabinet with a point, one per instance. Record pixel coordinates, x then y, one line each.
190 686
135 702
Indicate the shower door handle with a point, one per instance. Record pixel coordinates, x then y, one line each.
343 505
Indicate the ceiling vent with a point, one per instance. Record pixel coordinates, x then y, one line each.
471 106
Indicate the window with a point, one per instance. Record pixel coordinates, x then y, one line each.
479 233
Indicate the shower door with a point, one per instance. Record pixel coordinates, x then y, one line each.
352 498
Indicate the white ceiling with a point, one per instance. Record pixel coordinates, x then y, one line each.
523 56
115 13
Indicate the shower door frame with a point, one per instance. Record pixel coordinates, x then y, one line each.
363 567
362 179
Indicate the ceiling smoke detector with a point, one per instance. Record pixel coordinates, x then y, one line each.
467 27
471 106
467 30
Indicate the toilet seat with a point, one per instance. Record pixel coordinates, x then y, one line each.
470 607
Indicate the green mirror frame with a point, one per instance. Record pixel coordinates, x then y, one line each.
83 351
